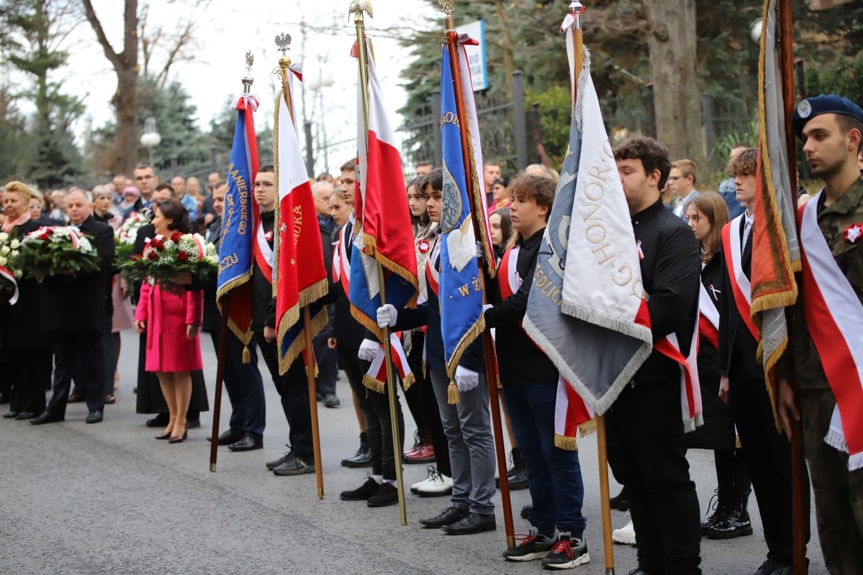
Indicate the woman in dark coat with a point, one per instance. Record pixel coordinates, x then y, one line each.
22 331
707 214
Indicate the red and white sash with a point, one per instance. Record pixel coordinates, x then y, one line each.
508 279
834 316
690 389
708 317
6 273
432 274
263 253
376 376
740 286
341 264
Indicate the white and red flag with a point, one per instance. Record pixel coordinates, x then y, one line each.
299 273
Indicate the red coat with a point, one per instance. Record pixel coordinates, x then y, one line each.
167 315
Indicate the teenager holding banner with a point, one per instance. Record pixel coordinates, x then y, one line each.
828 333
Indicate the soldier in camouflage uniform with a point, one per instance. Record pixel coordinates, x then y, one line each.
831 129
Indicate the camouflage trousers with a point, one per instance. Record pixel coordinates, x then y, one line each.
838 492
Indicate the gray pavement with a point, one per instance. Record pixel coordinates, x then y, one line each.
108 498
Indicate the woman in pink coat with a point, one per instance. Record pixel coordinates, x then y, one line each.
173 346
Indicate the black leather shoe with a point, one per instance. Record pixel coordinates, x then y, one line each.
362 458
447 516
10 415
246 443
94 416
227 437
25 415
46 417
774 567
472 523
161 420
620 501
638 572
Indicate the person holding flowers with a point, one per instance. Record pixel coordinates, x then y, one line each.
22 331
171 319
78 307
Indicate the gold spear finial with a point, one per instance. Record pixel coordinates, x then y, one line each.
357 8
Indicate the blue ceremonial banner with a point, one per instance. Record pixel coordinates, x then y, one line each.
238 224
460 286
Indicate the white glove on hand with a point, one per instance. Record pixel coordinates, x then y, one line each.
368 350
387 315
465 379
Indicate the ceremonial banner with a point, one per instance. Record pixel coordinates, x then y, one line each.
239 221
775 249
383 235
300 276
586 308
460 289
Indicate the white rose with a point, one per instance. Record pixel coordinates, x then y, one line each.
2 261
4 251
4 237
15 244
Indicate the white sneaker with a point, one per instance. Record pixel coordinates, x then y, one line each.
624 535
431 470
438 484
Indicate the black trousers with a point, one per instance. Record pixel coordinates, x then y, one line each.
647 454
376 413
768 456
29 371
244 385
79 356
293 390
328 369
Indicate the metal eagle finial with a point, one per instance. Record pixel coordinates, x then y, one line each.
283 41
357 8
447 6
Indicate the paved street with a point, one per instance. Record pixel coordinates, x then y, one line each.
108 498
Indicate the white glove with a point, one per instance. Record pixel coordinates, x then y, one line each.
465 379
368 350
387 315
486 307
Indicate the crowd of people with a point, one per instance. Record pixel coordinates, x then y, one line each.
696 259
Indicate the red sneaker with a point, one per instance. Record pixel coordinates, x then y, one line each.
422 453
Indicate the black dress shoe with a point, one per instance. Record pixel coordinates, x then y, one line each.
247 443
620 501
46 417
10 414
161 420
25 415
447 516
94 416
472 523
227 437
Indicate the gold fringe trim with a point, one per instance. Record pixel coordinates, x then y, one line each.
247 356
367 322
316 324
408 381
565 442
468 338
370 242
233 284
314 292
452 393
497 379
587 428
373 384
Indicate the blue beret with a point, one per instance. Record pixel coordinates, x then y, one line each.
808 108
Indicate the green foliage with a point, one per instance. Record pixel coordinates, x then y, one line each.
554 107
843 76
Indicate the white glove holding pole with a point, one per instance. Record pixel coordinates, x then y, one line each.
368 350
387 315
465 379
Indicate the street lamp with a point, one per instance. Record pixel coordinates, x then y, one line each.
150 138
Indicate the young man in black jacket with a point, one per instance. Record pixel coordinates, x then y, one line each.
646 446
529 379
